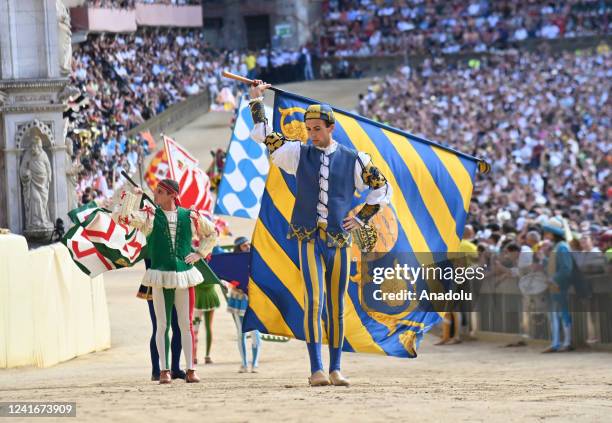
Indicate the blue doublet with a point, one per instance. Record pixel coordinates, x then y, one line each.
341 188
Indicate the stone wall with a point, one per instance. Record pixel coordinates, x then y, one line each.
175 116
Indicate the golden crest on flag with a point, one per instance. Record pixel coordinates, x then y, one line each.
296 129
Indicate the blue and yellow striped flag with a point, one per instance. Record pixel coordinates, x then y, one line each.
432 186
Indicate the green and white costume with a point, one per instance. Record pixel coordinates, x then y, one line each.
171 237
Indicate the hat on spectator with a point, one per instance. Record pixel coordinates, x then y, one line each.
240 240
558 226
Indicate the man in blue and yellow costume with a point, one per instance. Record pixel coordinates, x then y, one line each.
327 175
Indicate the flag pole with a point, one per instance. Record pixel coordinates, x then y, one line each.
483 166
246 81
131 181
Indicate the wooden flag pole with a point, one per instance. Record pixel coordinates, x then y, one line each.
244 80
239 78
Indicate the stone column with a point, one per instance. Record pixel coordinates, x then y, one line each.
300 16
234 32
32 76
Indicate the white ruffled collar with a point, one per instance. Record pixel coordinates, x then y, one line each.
333 145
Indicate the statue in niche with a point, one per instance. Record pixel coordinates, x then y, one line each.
35 174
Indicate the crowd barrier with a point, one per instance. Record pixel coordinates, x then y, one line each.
500 310
50 311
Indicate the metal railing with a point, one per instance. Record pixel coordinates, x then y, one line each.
501 308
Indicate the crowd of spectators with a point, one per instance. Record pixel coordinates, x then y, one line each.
378 27
129 78
543 122
132 77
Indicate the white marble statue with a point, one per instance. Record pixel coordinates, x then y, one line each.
64 35
35 174
72 175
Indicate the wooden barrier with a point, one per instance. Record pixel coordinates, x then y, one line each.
50 311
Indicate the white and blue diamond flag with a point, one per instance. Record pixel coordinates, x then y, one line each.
246 169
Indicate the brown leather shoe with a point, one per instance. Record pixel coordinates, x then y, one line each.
164 377
318 378
337 379
192 377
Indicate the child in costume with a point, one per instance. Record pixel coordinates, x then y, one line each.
170 232
206 301
237 303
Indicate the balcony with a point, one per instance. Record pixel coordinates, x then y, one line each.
98 19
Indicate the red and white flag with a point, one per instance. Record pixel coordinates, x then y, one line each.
179 159
158 169
195 190
193 182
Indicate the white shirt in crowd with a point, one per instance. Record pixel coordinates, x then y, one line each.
550 31
262 61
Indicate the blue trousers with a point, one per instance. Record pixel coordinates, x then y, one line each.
308 75
175 345
255 343
559 316
325 272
